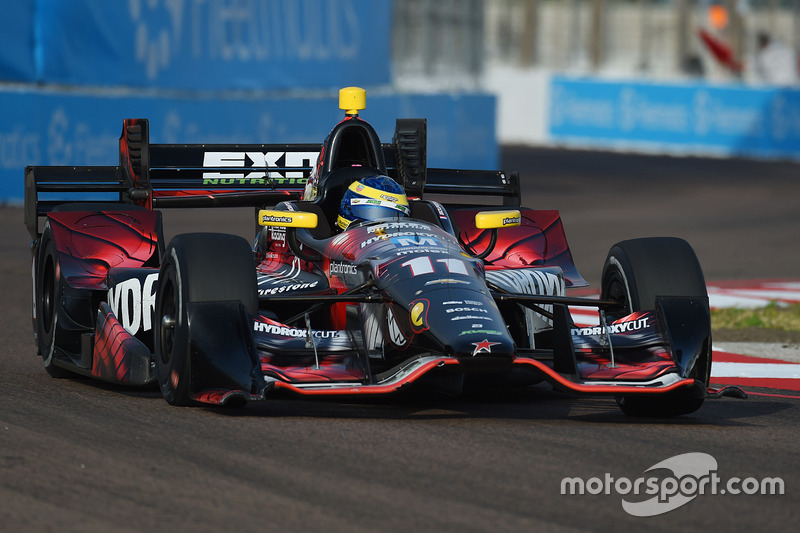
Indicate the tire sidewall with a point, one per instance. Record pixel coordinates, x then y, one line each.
640 261
173 363
48 285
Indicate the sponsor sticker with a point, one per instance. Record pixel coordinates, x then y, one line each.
133 303
619 327
276 219
485 346
285 331
280 289
418 315
337 267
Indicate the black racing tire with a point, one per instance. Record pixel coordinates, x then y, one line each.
48 292
197 267
635 272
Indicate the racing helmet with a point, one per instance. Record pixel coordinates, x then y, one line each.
373 198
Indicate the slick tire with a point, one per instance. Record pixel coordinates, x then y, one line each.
197 267
635 272
48 291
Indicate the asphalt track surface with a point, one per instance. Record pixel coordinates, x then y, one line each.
76 455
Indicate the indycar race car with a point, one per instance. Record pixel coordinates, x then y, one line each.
443 294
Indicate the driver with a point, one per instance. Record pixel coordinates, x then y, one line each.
374 198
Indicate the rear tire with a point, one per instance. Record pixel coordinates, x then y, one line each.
635 272
48 301
197 267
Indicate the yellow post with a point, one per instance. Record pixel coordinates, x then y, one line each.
352 100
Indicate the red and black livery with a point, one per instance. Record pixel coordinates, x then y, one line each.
426 300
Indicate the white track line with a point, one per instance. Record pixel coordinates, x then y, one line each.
755 370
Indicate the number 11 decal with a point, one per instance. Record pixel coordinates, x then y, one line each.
423 265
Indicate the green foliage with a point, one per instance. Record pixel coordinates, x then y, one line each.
774 316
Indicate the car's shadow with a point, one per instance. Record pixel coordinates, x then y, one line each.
539 402
531 403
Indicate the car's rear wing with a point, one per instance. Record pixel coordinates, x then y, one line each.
174 175
228 175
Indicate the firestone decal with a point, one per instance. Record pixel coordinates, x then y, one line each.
287 288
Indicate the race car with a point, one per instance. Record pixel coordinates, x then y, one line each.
449 284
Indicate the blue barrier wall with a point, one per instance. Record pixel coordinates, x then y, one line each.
17 41
50 128
686 118
197 44
207 71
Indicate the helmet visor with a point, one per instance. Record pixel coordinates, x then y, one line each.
374 209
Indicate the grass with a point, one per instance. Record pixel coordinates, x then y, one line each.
773 316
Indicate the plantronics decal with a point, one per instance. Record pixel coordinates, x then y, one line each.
339 268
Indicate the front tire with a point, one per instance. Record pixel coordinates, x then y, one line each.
197 267
635 273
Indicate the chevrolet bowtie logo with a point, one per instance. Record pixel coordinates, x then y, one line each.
483 346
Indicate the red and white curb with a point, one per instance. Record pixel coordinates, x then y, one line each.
755 372
753 293
755 369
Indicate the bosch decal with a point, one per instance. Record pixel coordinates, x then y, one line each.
466 310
